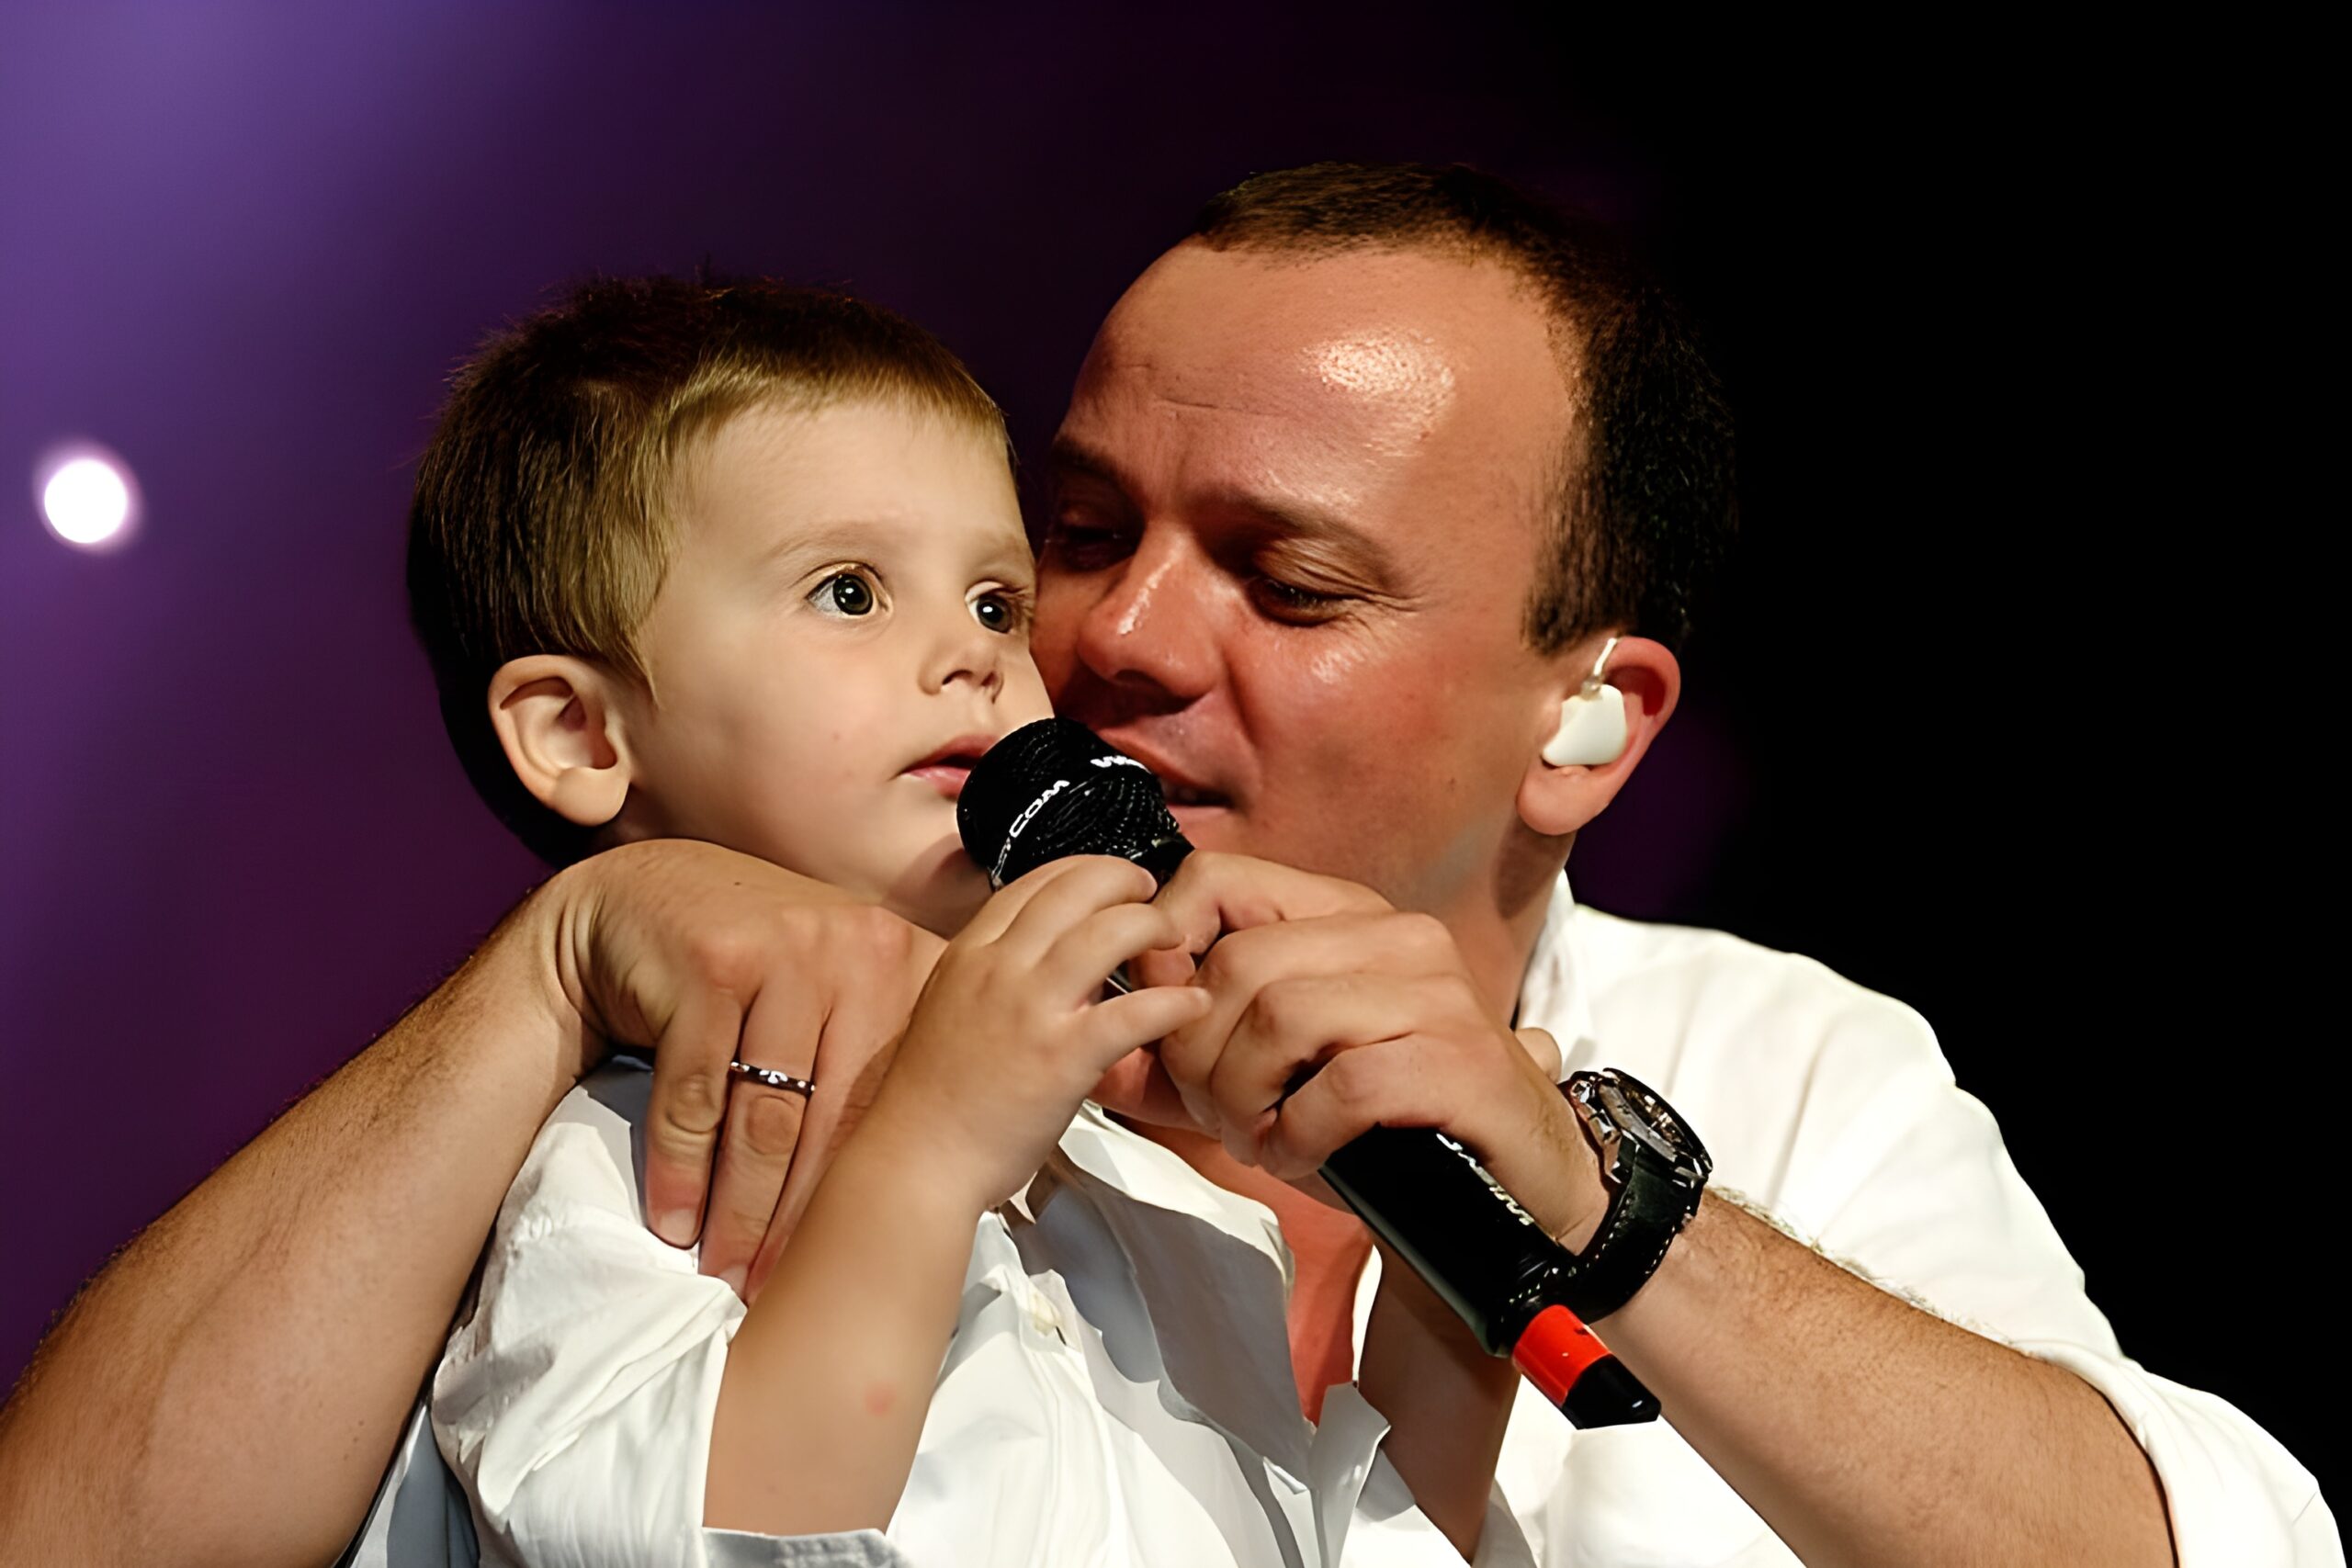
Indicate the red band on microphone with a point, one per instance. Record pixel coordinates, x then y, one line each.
1553 1350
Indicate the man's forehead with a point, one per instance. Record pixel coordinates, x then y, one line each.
1194 302
1363 356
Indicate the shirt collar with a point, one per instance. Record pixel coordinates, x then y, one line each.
1146 1173
1554 995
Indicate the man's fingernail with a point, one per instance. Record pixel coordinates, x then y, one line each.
675 1226
734 1278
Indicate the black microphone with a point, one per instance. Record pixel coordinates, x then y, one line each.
1055 788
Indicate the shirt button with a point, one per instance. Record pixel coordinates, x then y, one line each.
1043 1317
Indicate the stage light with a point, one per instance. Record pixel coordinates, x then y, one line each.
87 496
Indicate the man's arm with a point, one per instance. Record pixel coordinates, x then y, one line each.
1860 1427
229 1388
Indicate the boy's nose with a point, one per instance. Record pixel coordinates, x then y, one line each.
973 654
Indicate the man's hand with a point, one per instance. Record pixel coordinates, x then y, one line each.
1210 894
1333 1013
704 956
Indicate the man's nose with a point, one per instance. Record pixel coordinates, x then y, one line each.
1154 626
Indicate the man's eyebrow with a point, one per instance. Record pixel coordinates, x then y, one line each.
1304 520
1069 455
1288 515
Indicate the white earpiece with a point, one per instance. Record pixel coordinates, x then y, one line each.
1592 723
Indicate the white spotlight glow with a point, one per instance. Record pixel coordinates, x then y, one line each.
87 496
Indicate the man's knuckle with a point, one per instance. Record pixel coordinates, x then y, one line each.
1236 963
1350 1079
1274 1011
740 1215
767 1125
879 932
694 1104
1452 993
1423 933
668 1144
726 958
1184 1055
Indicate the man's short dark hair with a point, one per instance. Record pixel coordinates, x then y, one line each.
1646 506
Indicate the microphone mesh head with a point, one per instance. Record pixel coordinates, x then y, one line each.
1055 788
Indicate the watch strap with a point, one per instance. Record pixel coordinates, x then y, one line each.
1652 1194
1646 1211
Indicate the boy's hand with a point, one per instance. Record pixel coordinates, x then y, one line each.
706 955
1010 1033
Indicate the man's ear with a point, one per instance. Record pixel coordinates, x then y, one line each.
564 735
1554 801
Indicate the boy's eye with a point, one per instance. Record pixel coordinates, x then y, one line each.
999 610
845 593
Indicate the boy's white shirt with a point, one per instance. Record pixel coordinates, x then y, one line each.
1120 1389
575 1402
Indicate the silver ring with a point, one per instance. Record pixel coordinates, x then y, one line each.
769 1077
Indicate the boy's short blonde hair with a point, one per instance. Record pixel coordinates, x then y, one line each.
542 521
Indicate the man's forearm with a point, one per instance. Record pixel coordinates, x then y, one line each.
231 1386
1867 1431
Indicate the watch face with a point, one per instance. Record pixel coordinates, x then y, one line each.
1638 1113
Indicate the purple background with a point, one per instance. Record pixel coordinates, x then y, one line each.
2001 711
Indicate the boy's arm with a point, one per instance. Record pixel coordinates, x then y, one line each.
828 1380
229 1388
583 1402
830 1375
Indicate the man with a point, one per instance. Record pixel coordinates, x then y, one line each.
1355 489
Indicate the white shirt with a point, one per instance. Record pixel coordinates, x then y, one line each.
1828 1104
1832 1108
1117 1390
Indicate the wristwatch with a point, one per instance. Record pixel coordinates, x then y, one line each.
1656 1169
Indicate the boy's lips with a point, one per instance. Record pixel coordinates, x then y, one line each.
947 767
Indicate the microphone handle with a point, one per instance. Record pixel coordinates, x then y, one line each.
1431 1202
1423 1195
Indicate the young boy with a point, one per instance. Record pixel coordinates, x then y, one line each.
744 564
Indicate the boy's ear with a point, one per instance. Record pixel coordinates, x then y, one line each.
563 734
1554 801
